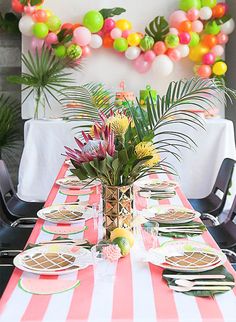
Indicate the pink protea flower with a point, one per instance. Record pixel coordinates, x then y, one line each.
111 253
97 147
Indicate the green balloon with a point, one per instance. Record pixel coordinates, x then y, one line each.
60 51
172 41
209 3
40 30
74 51
212 28
120 44
195 39
93 20
185 5
54 23
146 43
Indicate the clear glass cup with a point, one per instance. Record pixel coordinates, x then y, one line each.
151 234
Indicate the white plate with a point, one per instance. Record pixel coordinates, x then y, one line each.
79 184
166 208
177 248
82 258
157 185
87 213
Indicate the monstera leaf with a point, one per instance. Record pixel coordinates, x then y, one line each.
31 2
108 13
158 28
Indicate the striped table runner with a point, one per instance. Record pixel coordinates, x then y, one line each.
137 294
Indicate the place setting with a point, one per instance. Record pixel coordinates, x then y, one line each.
73 186
157 189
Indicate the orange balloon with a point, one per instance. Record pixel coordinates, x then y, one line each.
185 26
209 40
108 41
218 11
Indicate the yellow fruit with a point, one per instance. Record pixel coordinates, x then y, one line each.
122 232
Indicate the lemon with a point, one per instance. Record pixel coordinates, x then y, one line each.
123 244
122 232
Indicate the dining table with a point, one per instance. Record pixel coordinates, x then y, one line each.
137 293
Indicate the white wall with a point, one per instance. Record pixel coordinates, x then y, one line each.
105 65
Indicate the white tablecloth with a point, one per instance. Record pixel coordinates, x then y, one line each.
45 140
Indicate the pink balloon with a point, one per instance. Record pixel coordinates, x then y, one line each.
126 33
86 51
82 36
149 56
174 54
217 50
184 38
193 14
116 33
204 71
197 26
208 59
176 18
109 24
100 33
159 48
51 38
36 43
222 38
141 65
174 31
29 10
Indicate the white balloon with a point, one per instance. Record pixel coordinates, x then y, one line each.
163 65
132 52
184 50
205 13
96 41
228 27
26 24
116 33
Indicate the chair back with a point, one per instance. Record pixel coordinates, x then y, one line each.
222 184
6 185
232 213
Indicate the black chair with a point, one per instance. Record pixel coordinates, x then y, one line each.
13 207
214 203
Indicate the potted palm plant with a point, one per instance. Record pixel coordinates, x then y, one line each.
45 78
124 145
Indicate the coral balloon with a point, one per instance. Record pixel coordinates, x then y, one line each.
141 65
205 13
82 36
51 38
109 24
208 59
222 38
176 18
185 26
195 39
193 14
171 41
40 30
54 23
133 39
17 6
174 54
124 24
67 26
204 71
126 33
116 33
95 42
163 65
149 56
26 24
220 68
93 20
209 3
228 27
184 38
209 40
86 51
40 16
218 50
120 44
189 4
132 53
218 11
197 26
184 50
159 48
107 41
196 53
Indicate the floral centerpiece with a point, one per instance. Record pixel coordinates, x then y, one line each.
122 146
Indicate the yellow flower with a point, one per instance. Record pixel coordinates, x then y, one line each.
146 149
91 131
119 124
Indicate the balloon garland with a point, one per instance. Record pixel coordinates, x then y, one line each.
198 30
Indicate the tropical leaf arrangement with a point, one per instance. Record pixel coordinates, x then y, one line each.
120 146
10 131
45 76
158 28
